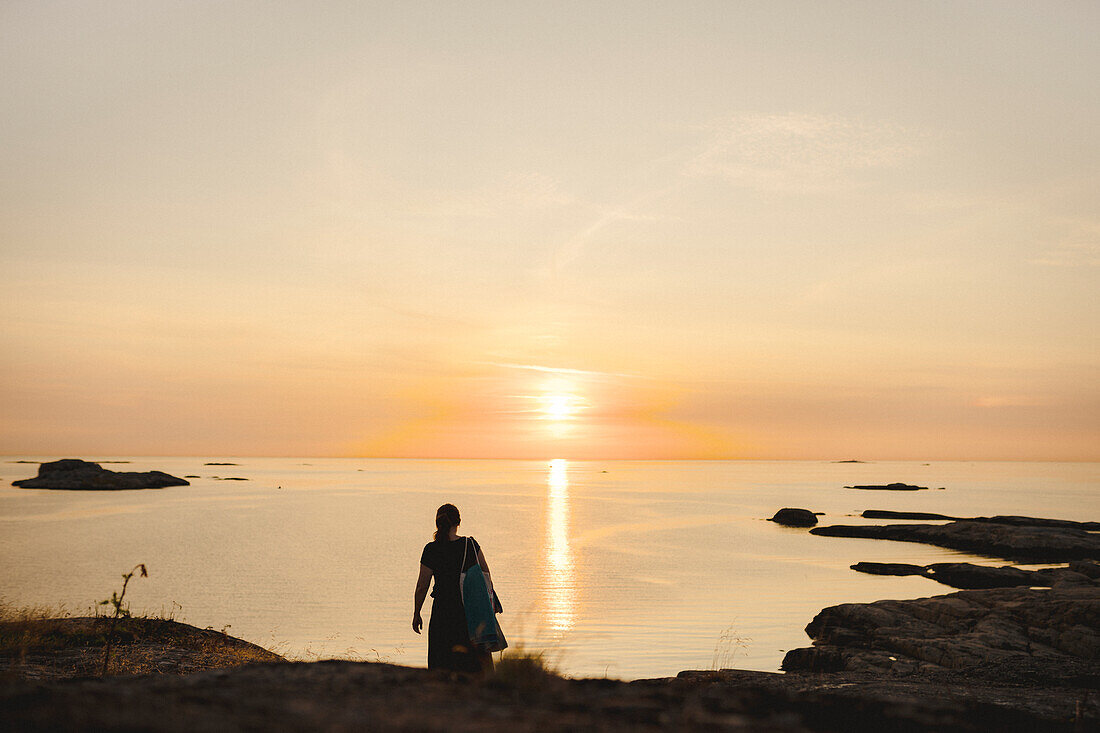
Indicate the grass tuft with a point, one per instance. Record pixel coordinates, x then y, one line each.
526 673
728 646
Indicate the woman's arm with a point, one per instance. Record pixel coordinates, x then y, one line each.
485 569
421 593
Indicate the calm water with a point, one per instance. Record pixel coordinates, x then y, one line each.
629 569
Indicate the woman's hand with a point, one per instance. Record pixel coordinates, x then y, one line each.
422 583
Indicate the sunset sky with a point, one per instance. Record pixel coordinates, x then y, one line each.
584 230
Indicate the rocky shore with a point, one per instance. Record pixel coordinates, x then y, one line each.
1020 658
1000 660
338 696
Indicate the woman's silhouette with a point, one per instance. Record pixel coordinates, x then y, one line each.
449 644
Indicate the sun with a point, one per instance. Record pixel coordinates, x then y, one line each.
559 401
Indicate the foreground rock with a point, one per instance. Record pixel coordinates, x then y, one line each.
169 682
339 696
1010 520
72 473
1052 544
795 518
1046 637
63 648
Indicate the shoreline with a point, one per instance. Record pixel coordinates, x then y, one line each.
230 684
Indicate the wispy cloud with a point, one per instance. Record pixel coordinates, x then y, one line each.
632 210
1078 245
560 370
791 153
801 152
515 193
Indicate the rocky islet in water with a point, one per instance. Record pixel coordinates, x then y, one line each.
790 517
889 487
75 474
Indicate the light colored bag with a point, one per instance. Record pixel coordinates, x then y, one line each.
481 620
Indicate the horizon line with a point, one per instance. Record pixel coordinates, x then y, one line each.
26 456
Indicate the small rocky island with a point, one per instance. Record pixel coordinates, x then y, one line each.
75 474
888 487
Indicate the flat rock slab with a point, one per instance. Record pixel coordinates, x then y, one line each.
968 576
1039 522
886 514
1052 544
888 568
1010 520
75 474
1048 636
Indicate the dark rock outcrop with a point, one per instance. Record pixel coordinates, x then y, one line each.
1088 569
1012 542
1013 521
884 514
1052 636
968 576
72 473
1009 520
795 518
888 568
889 487
964 575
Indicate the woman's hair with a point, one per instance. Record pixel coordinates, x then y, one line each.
445 518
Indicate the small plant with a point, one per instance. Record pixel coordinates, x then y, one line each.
526 673
728 646
121 611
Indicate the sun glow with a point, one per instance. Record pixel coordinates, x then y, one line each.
559 401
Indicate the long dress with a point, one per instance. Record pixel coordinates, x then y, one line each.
448 639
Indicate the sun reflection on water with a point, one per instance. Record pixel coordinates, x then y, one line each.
559 573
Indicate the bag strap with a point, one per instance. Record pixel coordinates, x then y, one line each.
465 549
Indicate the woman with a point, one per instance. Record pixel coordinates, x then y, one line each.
449 644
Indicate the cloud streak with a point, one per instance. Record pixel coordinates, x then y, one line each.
561 370
791 153
801 152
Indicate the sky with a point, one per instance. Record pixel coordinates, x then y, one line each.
789 230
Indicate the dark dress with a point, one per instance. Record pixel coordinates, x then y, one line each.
448 640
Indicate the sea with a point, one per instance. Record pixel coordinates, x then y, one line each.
622 569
